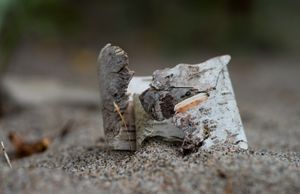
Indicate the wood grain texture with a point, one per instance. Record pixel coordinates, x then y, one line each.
114 77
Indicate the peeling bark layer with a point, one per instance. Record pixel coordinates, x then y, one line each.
147 127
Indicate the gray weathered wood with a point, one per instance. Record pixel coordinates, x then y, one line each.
114 77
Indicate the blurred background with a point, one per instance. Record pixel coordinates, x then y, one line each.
53 37
59 40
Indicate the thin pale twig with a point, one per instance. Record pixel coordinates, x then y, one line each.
5 154
117 108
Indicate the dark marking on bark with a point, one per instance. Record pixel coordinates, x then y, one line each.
160 103
191 144
167 106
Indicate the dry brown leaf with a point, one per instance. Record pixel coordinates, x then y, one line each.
24 148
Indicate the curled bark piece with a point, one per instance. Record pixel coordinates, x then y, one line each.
114 80
209 116
193 103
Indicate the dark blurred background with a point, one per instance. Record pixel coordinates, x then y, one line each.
54 37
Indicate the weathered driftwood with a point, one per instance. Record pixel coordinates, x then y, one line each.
194 104
207 113
117 113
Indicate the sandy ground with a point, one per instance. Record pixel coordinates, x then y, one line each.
269 101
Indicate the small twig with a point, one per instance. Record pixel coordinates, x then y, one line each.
117 109
5 154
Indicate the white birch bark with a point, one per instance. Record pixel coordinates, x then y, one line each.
213 120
